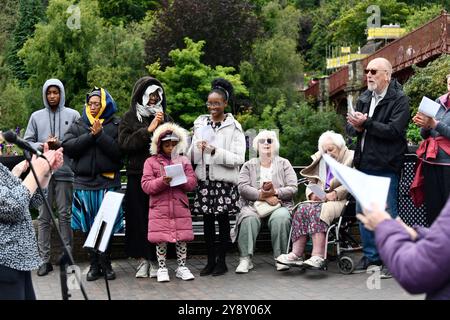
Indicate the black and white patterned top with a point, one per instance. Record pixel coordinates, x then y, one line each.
18 247
407 211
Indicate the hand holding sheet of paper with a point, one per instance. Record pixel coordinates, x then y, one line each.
176 172
317 190
365 188
428 107
206 133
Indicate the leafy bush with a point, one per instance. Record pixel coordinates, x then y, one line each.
429 81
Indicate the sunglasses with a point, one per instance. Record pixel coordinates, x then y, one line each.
269 141
372 71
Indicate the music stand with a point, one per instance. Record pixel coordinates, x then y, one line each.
102 228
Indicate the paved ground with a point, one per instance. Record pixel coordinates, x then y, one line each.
262 283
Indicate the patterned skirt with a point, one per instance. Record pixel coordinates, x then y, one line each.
85 206
216 197
306 220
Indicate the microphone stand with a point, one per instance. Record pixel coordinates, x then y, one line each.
67 255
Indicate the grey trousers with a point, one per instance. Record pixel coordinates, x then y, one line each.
279 225
60 194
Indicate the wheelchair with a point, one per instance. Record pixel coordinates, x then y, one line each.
339 235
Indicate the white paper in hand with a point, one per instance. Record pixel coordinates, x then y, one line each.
365 188
176 171
429 107
317 190
206 133
350 108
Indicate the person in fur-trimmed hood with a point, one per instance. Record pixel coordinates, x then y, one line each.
169 217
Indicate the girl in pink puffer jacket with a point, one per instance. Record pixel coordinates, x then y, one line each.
169 215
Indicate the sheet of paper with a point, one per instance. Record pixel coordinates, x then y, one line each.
350 108
177 173
317 190
106 216
429 107
206 133
365 188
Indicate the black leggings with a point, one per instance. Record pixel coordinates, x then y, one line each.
210 234
437 189
15 284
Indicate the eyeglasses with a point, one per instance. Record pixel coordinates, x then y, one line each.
214 104
268 140
94 104
372 71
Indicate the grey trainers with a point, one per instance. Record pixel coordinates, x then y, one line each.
385 274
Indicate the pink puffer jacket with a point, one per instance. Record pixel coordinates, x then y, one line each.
169 217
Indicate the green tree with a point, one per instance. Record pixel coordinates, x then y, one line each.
188 82
30 13
274 66
126 11
13 111
429 81
57 51
228 27
321 36
299 127
95 54
350 27
422 16
8 16
117 70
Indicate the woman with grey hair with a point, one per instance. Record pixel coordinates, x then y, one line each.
268 179
313 216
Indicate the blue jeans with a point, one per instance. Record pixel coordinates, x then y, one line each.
368 237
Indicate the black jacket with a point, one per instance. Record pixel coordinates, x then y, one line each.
385 142
134 139
93 155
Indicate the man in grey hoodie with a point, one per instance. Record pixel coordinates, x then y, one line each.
49 125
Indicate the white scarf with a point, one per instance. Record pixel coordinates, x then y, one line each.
146 111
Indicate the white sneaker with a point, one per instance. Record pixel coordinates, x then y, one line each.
184 273
142 269
245 264
163 275
290 259
282 267
315 262
153 273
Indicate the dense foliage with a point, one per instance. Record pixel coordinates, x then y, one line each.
267 48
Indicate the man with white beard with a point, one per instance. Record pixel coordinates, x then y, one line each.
379 122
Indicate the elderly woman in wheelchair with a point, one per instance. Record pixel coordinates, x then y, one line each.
314 216
267 185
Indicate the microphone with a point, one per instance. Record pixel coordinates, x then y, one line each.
11 137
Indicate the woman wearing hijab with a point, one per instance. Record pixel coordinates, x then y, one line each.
146 113
92 143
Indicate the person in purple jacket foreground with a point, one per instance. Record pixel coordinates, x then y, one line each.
418 258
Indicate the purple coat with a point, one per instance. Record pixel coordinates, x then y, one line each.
421 266
169 217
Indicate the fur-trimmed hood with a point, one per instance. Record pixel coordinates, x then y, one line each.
155 146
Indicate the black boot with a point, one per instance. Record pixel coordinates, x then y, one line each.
209 232
220 268
224 235
94 271
106 265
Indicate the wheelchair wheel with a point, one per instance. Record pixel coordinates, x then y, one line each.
345 265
